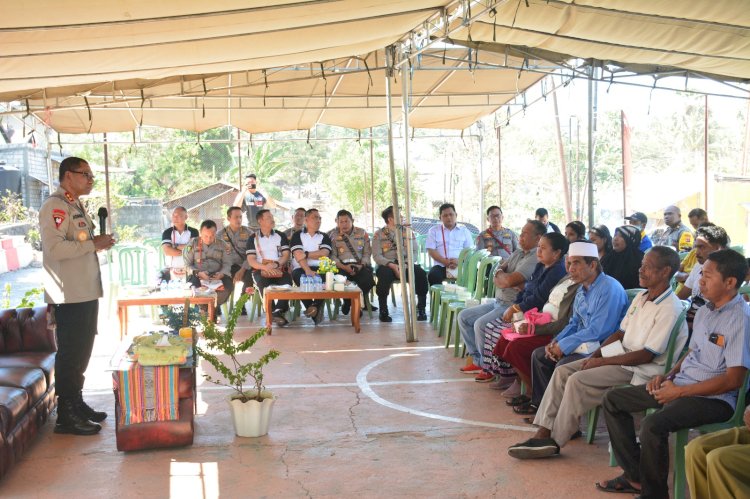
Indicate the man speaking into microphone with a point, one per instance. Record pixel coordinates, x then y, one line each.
72 287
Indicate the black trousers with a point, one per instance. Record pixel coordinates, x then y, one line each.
76 330
263 282
541 372
362 278
436 275
386 277
296 275
648 463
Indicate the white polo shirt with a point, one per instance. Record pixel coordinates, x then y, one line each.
647 325
302 240
454 240
267 247
175 238
693 279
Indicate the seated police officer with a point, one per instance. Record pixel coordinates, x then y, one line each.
308 246
268 254
237 236
385 254
207 259
350 250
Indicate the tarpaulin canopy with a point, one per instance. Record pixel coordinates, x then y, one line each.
262 66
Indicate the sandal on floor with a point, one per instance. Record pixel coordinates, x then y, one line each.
529 421
519 400
528 409
618 485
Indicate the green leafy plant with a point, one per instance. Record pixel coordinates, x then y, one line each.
234 371
28 298
12 209
173 317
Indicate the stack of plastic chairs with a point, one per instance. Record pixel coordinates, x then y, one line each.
437 289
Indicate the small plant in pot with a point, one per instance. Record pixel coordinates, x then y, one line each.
251 409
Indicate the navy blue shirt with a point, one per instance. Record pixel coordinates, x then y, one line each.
540 284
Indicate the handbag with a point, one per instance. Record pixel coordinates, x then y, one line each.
269 274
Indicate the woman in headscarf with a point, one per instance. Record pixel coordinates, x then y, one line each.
575 231
625 259
599 235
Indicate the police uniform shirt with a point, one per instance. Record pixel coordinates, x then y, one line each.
360 242
267 247
305 242
454 240
500 243
289 233
252 204
237 242
384 246
680 237
72 273
175 238
210 258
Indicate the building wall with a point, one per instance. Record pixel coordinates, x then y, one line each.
726 200
32 162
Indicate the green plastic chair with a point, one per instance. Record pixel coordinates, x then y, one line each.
132 266
437 289
154 244
454 307
462 279
739 249
593 415
681 437
745 290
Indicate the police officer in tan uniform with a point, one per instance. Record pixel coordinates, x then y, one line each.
498 240
237 236
352 253
385 254
208 258
72 288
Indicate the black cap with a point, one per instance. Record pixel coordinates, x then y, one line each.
638 216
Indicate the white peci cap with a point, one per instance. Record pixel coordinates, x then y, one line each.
583 249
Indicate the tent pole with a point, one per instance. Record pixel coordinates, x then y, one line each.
50 180
408 288
389 53
106 181
480 128
705 155
239 158
591 145
499 166
561 152
372 179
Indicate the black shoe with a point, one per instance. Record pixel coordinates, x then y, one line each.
384 317
534 448
279 319
71 421
89 413
346 307
318 318
421 314
373 308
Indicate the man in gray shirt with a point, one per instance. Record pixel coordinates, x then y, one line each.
511 276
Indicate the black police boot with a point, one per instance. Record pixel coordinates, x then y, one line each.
383 315
71 421
421 306
346 307
88 412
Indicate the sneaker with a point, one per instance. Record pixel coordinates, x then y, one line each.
484 377
513 390
471 369
534 448
502 383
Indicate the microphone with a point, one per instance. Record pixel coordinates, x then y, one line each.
102 213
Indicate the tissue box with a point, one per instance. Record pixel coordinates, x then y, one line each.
339 286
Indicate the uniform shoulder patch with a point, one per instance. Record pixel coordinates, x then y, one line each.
58 216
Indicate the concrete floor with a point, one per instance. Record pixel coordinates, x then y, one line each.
363 415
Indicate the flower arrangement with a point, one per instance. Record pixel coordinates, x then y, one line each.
326 265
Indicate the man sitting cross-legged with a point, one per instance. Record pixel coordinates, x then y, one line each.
700 389
268 254
644 333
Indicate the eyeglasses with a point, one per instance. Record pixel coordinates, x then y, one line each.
89 176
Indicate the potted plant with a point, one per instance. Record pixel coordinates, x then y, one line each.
251 409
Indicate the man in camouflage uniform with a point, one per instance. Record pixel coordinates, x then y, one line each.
208 258
351 253
385 254
496 239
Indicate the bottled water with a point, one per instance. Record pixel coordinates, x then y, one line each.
304 283
318 282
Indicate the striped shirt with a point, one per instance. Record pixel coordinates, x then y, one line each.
708 359
267 247
303 241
